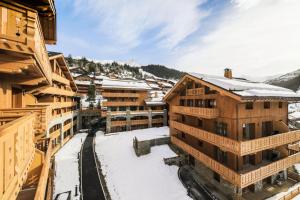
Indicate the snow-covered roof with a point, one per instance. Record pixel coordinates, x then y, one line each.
75 74
78 82
155 98
154 86
165 84
246 88
125 84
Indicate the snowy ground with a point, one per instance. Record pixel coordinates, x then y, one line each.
67 167
129 177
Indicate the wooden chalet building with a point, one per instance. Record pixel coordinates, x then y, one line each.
128 105
37 109
233 130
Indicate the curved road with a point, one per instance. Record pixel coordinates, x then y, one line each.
91 185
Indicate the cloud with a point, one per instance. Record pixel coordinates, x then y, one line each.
258 37
131 22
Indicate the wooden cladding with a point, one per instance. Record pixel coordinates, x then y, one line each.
195 92
207 113
60 79
20 31
240 180
122 103
136 122
17 152
113 94
240 148
57 91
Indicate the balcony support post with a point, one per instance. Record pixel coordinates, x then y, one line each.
150 118
108 122
71 129
128 125
258 186
61 134
165 117
79 121
237 193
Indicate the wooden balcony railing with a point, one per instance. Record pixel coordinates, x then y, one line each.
240 148
60 79
118 123
17 152
41 193
139 121
21 32
43 115
225 143
207 113
157 121
57 91
112 94
240 180
121 103
196 91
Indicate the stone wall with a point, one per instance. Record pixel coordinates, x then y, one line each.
144 147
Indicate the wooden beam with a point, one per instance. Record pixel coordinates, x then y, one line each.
29 81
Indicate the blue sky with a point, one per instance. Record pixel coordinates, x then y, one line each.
205 36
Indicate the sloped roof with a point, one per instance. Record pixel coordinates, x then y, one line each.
125 84
243 89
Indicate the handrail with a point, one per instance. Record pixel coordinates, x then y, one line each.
17 141
240 148
239 179
42 184
208 113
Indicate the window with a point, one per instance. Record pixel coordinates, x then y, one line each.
200 143
197 85
280 104
200 123
181 102
183 135
249 105
221 128
267 105
190 102
249 131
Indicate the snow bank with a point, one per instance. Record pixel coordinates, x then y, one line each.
129 177
281 194
67 167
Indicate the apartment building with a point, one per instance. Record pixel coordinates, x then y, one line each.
37 110
128 105
233 130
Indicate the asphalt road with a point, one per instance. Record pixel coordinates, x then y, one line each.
91 186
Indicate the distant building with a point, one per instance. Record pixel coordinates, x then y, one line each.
128 105
234 131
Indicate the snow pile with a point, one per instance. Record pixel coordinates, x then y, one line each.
125 84
247 88
129 177
67 166
281 194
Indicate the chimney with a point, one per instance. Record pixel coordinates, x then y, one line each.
228 73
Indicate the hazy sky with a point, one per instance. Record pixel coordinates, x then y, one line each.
254 37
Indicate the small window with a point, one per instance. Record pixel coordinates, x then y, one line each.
267 105
200 143
183 135
280 105
200 122
249 105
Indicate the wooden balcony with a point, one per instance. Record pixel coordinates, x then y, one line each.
60 79
195 92
113 94
244 179
121 103
21 33
157 121
17 152
207 113
43 115
139 121
56 91
118 123
240 148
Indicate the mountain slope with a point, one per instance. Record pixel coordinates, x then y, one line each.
163 72
290 80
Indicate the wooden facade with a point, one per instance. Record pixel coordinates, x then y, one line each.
37 98
126 109
241 141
